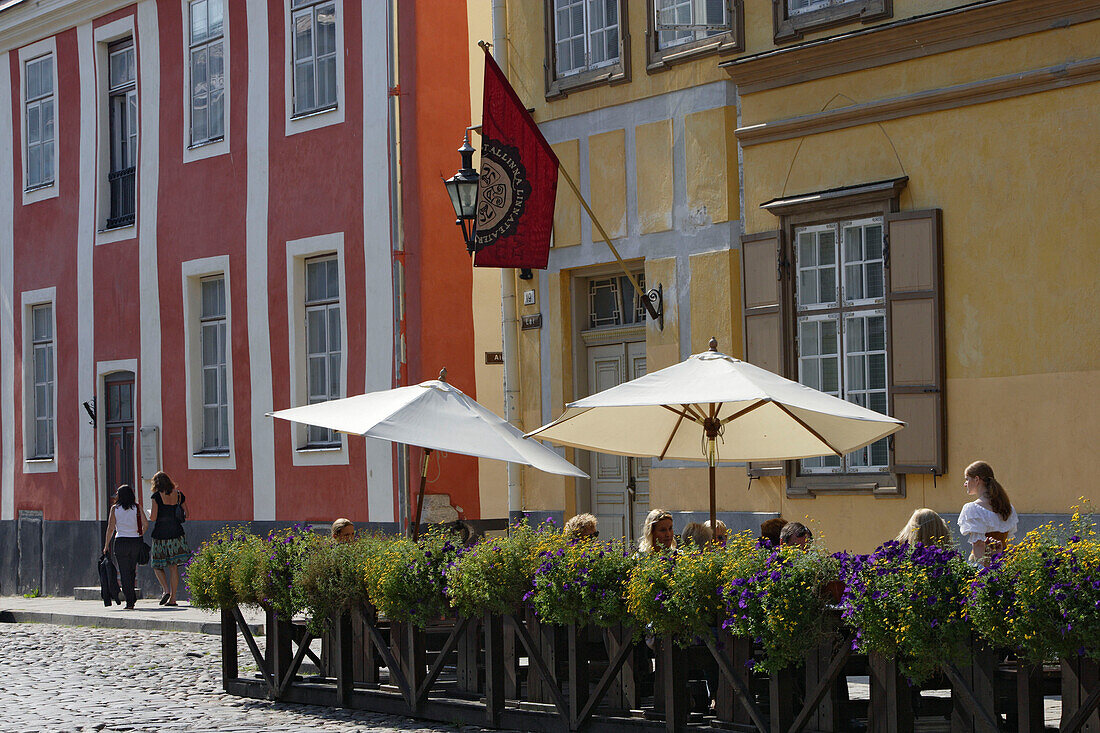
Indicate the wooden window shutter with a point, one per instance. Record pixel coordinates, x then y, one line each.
914 307
764 311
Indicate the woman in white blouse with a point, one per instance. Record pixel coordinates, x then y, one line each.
989 521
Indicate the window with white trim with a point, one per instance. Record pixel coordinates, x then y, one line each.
840 340
323 340
42 371
40 132
207 70
215 383
794 18
690 20
123 131
314 55
798 7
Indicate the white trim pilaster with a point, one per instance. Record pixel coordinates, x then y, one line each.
377 262
256 258
85 262
7 302
149 370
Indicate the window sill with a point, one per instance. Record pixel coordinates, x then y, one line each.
116 234
793 28
40 465
314 112
211 454
664 59
212 461
335 454
874 484
40 192
205 143
559 87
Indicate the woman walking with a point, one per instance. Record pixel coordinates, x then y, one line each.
170 548
989 521
124 525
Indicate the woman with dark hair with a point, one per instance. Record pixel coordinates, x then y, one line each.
989 521
124 525
170 549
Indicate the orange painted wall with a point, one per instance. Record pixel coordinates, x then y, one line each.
435 110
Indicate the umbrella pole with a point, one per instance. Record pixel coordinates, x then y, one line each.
415 530
713 509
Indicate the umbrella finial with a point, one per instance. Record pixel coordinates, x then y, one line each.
443 374
713 344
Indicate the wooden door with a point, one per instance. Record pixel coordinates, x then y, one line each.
620 486
118 425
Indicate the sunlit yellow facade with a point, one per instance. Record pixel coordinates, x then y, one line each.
986 113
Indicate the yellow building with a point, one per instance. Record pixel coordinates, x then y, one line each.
894 201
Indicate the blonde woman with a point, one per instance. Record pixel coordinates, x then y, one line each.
696 534
657 532
927 528
582 527
989 521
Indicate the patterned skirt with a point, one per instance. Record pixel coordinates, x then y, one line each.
170 552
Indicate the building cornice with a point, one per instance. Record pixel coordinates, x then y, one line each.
961 95
25 23
975 24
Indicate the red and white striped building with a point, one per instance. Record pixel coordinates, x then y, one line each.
217 208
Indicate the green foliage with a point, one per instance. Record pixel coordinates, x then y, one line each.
33 593
208 576
907 603
494 575
582 582
776 597
274 565
404 579
1042 596
331 579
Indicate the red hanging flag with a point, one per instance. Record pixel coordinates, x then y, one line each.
519 180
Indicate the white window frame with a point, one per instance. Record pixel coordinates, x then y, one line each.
297 253
692 34
218 146
839 309
587 33
47 46
307 121
103 37
194 272
30 299
812 6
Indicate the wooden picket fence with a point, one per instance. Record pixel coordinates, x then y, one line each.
513 672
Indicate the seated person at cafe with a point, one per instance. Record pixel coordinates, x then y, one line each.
343 530
796 534
769 531
719 531
582 527
697 534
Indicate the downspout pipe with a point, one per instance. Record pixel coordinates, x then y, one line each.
508 318
397 239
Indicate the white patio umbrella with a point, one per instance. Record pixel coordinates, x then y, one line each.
435 416
711 403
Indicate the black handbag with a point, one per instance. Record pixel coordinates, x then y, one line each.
144 553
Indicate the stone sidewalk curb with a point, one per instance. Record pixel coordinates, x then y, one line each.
117 622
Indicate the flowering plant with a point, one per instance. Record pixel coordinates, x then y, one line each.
775 596
582 583
1042 595
679 594
331 579
209 574
907 602
494 575
404 578
273 564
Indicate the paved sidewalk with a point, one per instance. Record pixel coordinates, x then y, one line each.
148 615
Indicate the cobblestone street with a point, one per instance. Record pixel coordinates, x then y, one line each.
61 678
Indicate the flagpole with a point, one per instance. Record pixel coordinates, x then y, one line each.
607 240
